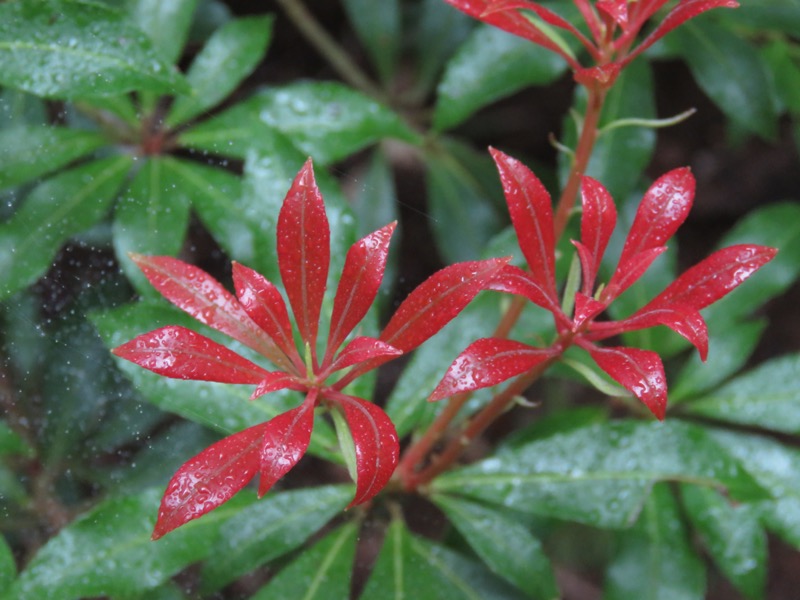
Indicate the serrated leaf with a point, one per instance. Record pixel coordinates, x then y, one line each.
505 545
28 152
378 25
166 23
330 561
491 64
411 567
599 475
76 48
733 536
275 525
85 559
655 559
230 55
55 210
151 217
766 396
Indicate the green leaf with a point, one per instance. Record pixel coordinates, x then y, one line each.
30 152
151 217
780 15
505 546
54 211
728 351
411 567
105 109
166 22
378 25
276 525
77 48
18 108
785 73
630 97
325 120
12 444
730 71
733 536
8 566
225 408
599 475
227 58
490 65
462 214
768 396
655 559
107 551
330 561
558 421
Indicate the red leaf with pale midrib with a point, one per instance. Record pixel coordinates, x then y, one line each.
362 349
304 251
181 353
598 220
210 478
487 362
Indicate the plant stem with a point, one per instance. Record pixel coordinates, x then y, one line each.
330 49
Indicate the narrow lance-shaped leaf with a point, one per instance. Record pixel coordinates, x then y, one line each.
629 273
363 349
487 362
513 280
181 353
197 293
275 381
597 224
616 9
376 444
304 251
210 479
639 371
361 278
286 439
586 308
532 215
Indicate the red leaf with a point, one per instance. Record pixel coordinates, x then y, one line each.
597 224
532 215
181 353
263 303
358 286
714 277
641 372
629 273
616 9
682 320
592 21
437 300
376 445
684 11
285 442
664 207
194 291
586 309
513 280
362 349
209 479
487 362
275 381
304 251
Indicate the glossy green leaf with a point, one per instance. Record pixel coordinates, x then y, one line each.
166 22
325 120
506 546
599 475
318 573
105 109
227 58
730 70
18 108
781 15
151 217
77 48
12 444
30 152
378 25
630 97
460 203
768 397
654 559
411 567
490 65
107 551
276 525
375 197
733 536
558 421
55 210
225 408
728 351
785 73
8 566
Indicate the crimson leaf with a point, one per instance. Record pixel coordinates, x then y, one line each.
181 353
362 349
597 224
210 479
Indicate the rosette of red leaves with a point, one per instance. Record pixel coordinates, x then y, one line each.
663 209
613 27
258 318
